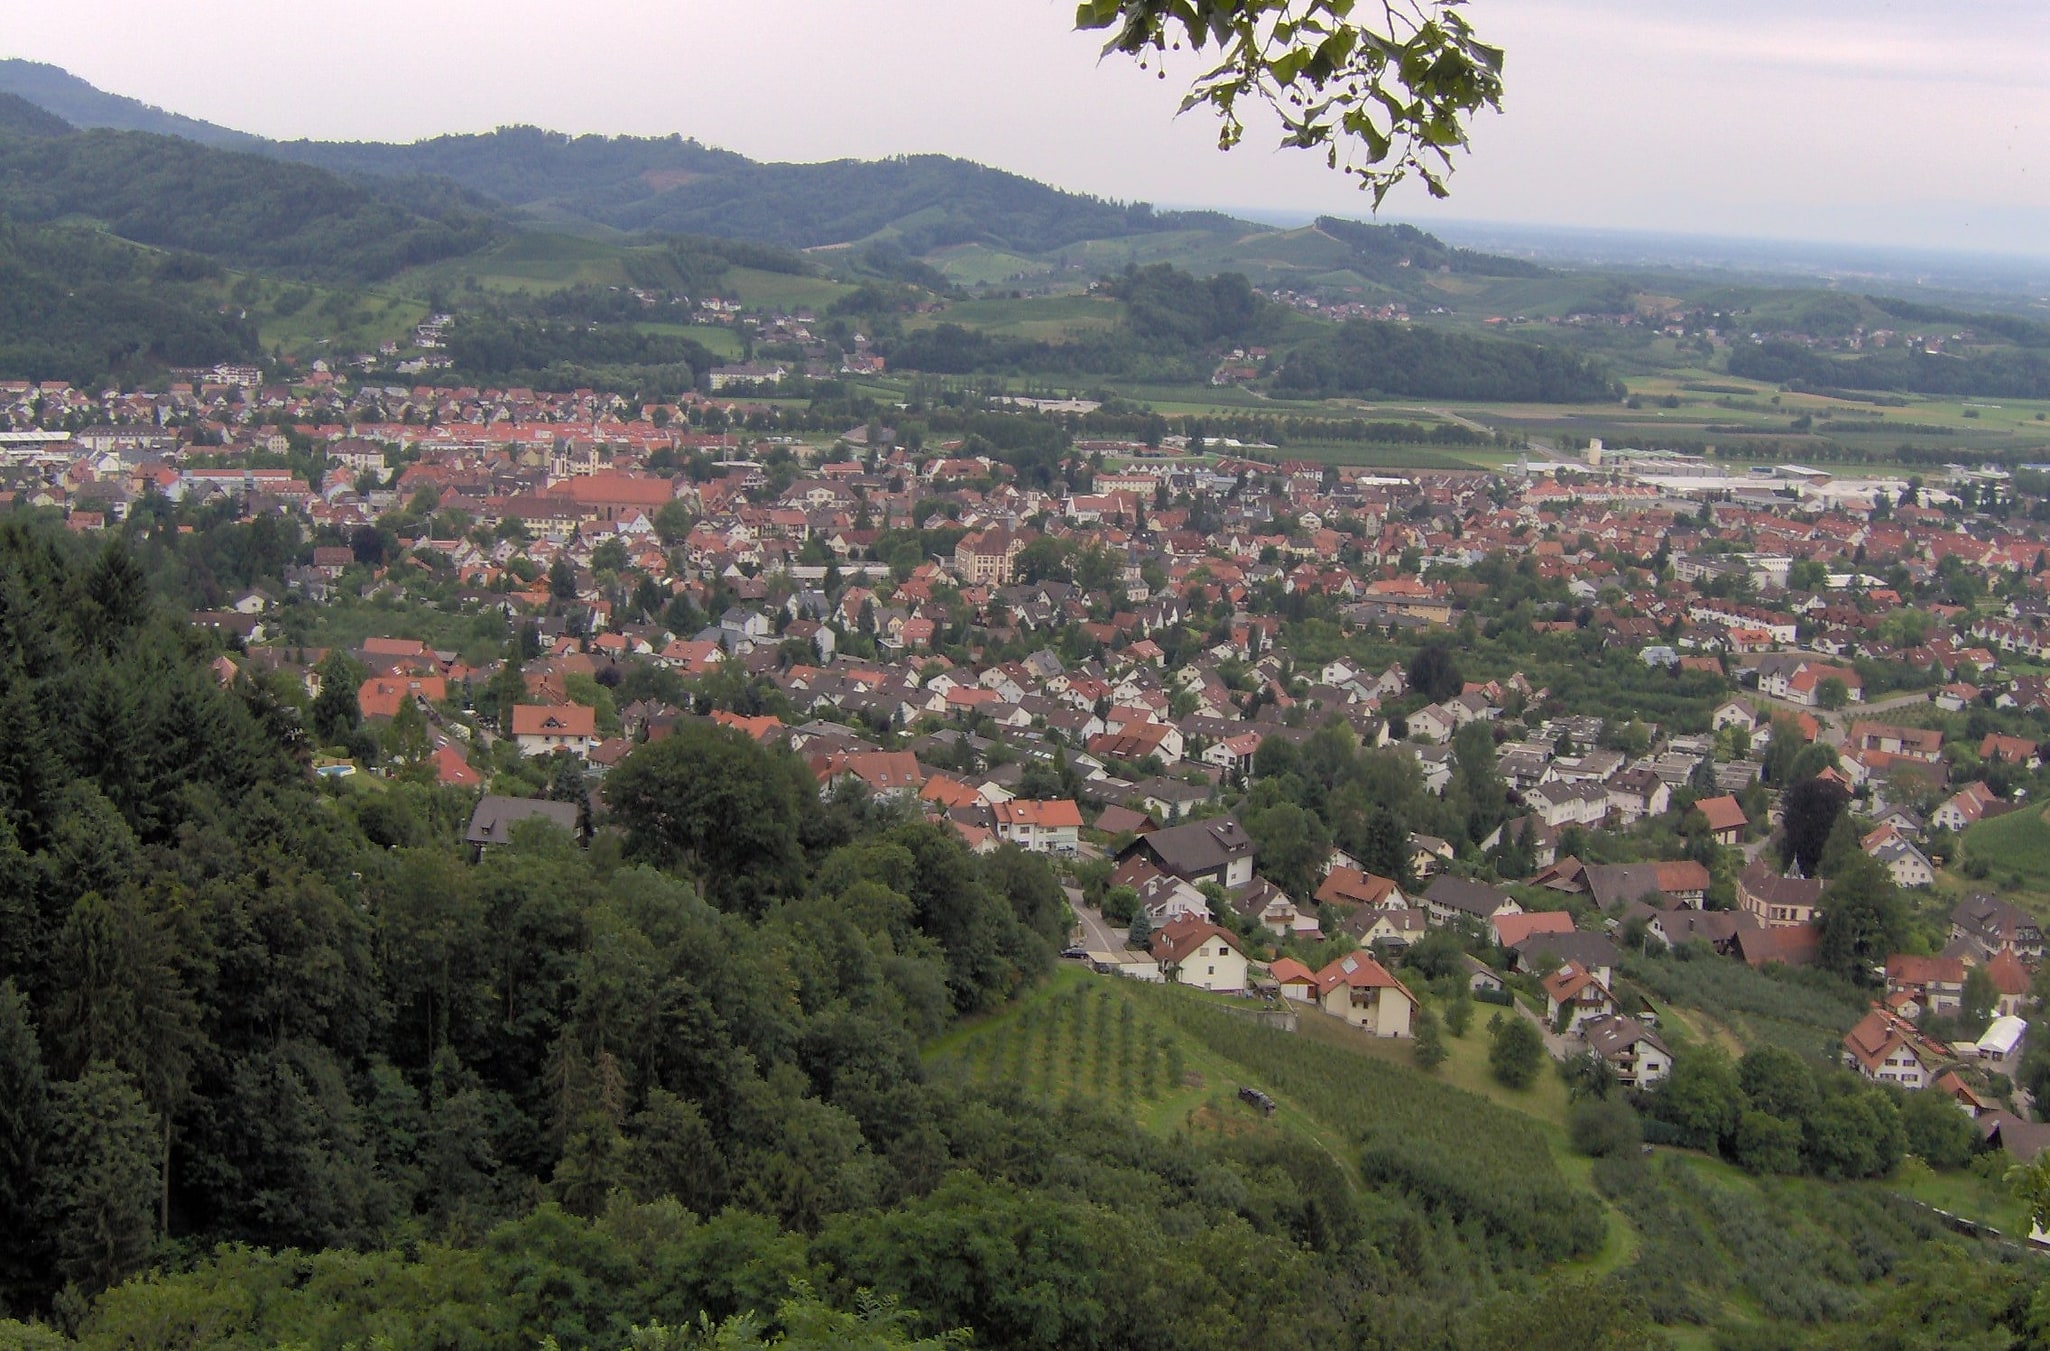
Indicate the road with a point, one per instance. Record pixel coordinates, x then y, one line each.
1098 935
1833 723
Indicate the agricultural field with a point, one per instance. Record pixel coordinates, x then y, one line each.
718 339
1750 1008
531 262
779 290
1037 319
310 321
2016 845
1082 1038
1372 455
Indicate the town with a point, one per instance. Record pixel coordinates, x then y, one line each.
1300 731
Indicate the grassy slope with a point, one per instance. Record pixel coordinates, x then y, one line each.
2018 842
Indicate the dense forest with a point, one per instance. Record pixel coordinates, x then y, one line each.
1382 248
244 210
2002 373
1365 359
77 306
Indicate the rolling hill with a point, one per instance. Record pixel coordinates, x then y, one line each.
974 223
240 209
58 91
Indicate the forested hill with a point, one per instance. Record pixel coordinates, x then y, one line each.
241 209
1380 247
19 117
676 185
77 306
82 105
1365 359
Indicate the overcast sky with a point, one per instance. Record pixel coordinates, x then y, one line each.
1921 123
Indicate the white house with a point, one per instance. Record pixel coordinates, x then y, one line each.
1039 827
1201 955
1630 1049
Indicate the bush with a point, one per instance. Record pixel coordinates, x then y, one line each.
1429 1049
1935 1131
1518 1051
1600 1127
1766 1144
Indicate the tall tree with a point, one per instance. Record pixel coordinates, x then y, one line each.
1434 673
1863 920
1808 812
102 1177
24 1142
708 799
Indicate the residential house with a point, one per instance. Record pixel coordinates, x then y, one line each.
1593 953
1614 884
1509 930
1052 827
1275 910
1887 1048
1355 887
1907 865
1632 1051
493 819
1732 713
1992 926
1573 995
2014 750
1966 806
1217 851
1450 898
1902 743
1390 927
887 774
1359 989
1934 984
1201 955
541 729
1637 793
1427 854
1725 817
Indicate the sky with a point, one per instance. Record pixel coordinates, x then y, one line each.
1921 124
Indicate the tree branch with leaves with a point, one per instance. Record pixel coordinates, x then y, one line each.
1386 90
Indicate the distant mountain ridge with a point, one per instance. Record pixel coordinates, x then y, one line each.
58 91
677 185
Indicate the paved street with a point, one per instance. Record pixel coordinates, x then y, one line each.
1097 934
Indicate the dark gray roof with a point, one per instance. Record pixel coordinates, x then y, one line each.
495 817
1197 847
1610 883
1589 950
1473 898
1611 1036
